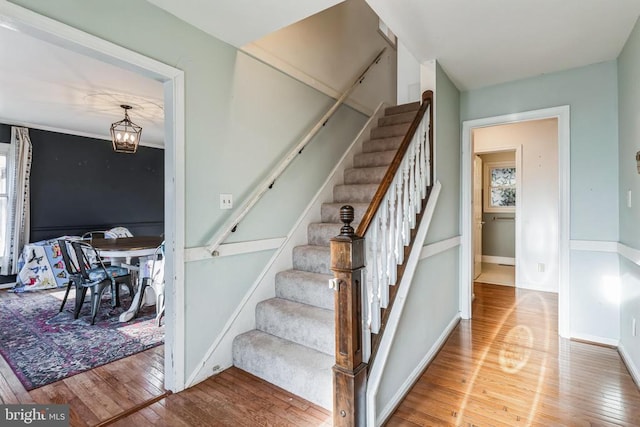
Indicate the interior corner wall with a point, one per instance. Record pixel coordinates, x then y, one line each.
629 131
592 94
432 303
240 116
408 83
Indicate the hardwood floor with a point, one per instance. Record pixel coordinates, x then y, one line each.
508 367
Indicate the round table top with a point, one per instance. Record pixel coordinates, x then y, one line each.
127 243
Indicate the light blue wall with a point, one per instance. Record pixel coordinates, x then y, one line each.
241 116
432 302
629 128
591 92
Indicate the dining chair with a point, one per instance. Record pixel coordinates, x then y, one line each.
73 274
152 276
98 278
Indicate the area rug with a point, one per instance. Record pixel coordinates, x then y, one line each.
43 345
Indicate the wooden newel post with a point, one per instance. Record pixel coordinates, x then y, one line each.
349 372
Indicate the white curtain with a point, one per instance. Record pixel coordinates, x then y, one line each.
17 233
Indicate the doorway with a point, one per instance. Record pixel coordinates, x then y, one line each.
561 183
495 184
31 23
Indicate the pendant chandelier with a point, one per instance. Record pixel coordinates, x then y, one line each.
125 134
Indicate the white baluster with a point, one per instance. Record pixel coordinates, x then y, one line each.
406 231
384 284
392 251
375 302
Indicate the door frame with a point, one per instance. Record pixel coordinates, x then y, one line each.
562 114
517 150
26 21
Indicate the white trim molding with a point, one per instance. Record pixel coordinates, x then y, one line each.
631 366
562 113
490 259
436 248
632 254
26 21
593 245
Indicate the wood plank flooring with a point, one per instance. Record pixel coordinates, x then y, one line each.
508 367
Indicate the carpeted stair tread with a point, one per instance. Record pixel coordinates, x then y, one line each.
330 212
303 324
365 175
294 340
379 158
403 108
312 258
356 193
305 287
395 119
293 367
391 130
382 144
321 233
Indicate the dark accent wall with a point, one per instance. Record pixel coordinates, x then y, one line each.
80 184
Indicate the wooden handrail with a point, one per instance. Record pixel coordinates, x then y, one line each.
231 224
427 100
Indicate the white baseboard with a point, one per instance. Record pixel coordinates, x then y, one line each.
417 372
595 339
631 367
490 259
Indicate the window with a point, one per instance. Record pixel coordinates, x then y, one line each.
4 196
500 187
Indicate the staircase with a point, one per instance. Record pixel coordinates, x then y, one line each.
293 343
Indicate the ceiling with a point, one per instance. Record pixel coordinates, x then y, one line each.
485 42
478 43
48 87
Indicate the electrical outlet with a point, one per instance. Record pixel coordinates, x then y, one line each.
634 331
628 198
540 267
226 201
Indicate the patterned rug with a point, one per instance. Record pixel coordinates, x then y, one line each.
43 346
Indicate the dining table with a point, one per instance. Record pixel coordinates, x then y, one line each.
124 251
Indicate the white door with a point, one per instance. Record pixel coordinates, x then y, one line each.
477 216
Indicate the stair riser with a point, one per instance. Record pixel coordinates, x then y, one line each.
362 193
397 119
399 109
302 324
366 160
365 175
382 144
313 259
389 131
305 288
300 371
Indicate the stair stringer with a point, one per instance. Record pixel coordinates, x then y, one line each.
377 368
219 355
